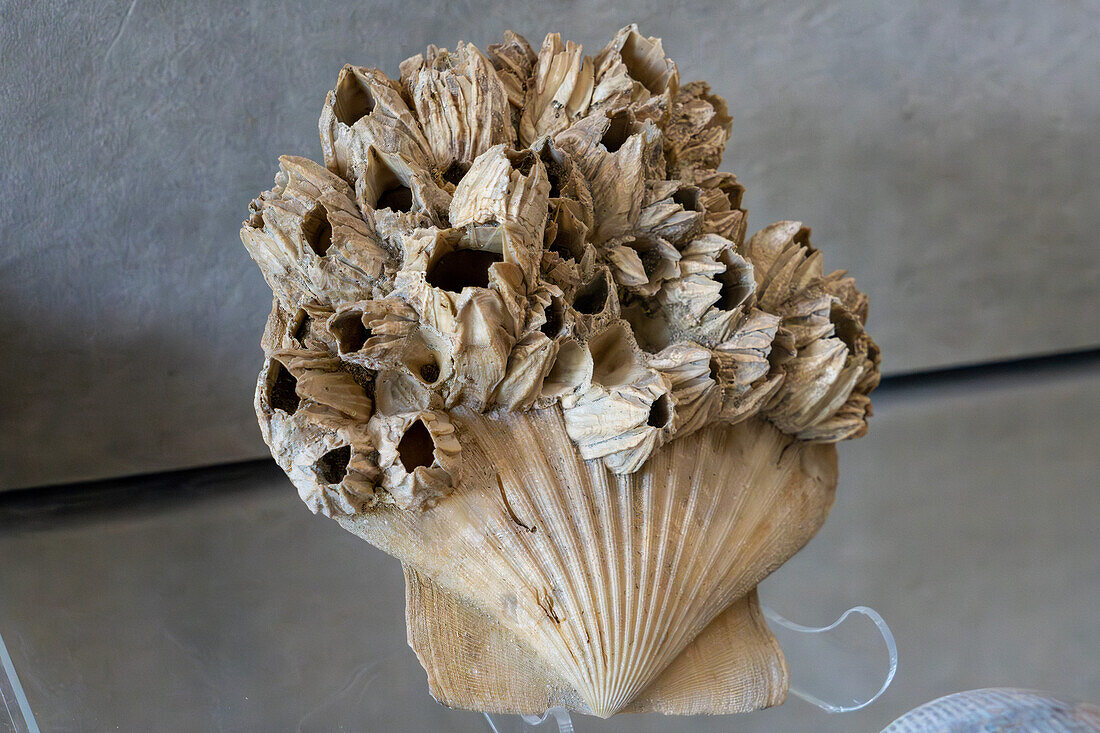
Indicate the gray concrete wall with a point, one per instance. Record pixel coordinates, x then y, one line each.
948 156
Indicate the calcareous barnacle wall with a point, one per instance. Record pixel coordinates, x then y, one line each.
517 230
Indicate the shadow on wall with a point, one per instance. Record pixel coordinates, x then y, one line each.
89 396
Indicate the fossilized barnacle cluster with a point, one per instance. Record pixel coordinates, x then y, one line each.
519 230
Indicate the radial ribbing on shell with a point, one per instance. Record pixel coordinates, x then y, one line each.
519 229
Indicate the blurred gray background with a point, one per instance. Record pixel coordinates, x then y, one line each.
948 155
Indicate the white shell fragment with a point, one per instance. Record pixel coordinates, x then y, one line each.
519 340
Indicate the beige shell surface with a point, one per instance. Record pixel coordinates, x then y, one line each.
520 341
608 577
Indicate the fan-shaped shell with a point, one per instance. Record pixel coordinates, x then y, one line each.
603 580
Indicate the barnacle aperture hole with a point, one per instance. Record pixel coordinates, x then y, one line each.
416 447
568 243
687 197
647 68
282 388
715 368
462 268
648 254
651 331
618 131
554 322
554 171
397 198
353 100
455 171
429 372
390 188
570 368
521 160
317 230
351 335
592 298
659 413
332 467
613 358
299 327
737 284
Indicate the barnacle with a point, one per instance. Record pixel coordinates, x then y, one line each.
519 341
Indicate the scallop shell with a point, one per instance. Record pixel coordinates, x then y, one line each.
518 341
575 586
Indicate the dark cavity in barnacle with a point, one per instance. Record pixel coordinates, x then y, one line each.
618 132
462 268
282 391
429 372
416 447
317 231
332 467
299 327
389 187
568 243
687 197
554 321
397 198
737 285
592 298
351 335
659 413
521 160
650 330
715 368
353 100
613 358
455 171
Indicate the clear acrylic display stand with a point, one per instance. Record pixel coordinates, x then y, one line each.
15 711
839 668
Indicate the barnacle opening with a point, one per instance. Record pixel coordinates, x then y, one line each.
618 131
554 170
388 186
282 393
688 197
715 368
736 280
650 255
652 332
299 325
416 447
555 318
613 357
455 172
568 238
660 413
350 333
317 231
521 160
462 268
429 372
353 100
571 368
592 298
332 467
